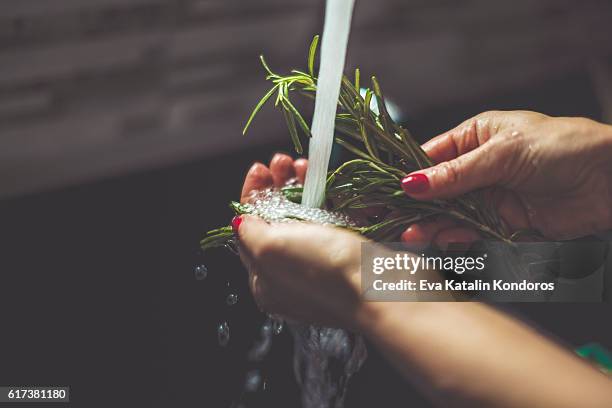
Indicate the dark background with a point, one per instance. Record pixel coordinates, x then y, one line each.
120 147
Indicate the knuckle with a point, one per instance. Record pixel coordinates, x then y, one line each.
487 115
451 171
485 125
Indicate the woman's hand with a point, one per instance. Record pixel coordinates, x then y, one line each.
282 169
553 175
303 272
311 273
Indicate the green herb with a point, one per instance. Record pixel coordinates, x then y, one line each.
384 153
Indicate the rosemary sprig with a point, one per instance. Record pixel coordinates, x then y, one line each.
384 153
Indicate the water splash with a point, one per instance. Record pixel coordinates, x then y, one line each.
272 206
324 358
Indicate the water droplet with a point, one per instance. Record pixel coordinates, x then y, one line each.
231 299
253 381
223 334
277 326
272 206
200 272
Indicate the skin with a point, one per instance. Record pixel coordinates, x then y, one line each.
459 354
553 175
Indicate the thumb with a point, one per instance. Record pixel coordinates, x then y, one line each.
253 234
476 169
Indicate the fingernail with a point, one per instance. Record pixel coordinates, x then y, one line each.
255 166
277 157
415 183
236 221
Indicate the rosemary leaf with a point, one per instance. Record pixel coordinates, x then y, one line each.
312 52
258 108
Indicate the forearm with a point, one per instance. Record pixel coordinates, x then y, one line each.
603 134
467 354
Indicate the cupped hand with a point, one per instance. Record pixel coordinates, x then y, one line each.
282 168
303 272
553 175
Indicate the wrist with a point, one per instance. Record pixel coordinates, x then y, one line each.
604 133
601 135
607 143
367 313
375 318
369 316
608 167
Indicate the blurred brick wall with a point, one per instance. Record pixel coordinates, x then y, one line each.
433 52
92 88
98 87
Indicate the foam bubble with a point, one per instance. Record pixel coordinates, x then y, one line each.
272 206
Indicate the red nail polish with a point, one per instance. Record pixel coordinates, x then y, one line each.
236 221
415 183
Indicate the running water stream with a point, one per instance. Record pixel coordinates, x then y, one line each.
326 358
336 29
